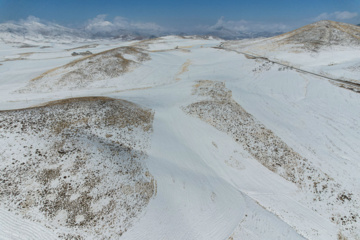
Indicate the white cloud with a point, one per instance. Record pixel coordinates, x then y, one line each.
31 19
241 25
345 15
100 26
323 16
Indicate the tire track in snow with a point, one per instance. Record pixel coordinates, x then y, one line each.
15 227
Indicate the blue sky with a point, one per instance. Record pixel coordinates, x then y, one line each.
185 14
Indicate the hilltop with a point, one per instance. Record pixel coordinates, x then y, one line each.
322 34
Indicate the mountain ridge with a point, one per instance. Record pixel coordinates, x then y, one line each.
34 29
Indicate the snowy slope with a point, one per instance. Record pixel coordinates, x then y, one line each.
238 148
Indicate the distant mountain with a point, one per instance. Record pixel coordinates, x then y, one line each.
228 34
34 30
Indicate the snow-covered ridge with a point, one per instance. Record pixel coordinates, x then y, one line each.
34 30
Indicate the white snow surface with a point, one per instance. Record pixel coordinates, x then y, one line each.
208 185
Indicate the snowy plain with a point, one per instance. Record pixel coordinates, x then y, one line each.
208 185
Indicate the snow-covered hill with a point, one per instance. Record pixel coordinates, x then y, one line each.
327 48
181 138
82 72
